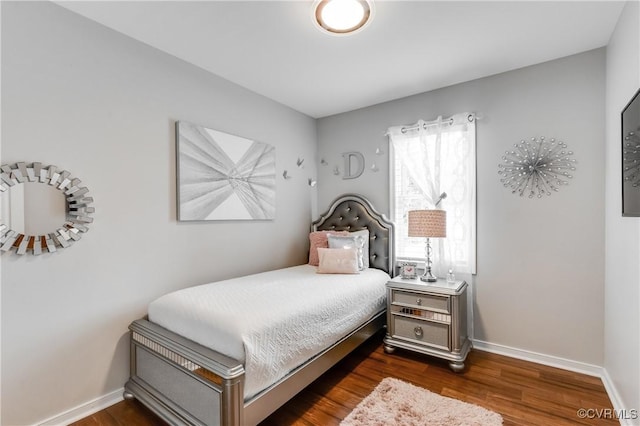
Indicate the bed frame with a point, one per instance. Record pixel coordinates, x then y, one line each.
185 383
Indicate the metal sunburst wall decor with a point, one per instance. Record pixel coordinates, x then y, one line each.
631 159
537 167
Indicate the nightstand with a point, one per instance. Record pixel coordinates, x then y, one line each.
428 317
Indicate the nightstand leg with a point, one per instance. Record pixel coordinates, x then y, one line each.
389 349
456 366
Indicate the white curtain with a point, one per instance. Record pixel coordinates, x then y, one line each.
427 159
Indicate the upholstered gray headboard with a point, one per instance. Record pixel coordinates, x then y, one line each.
351 212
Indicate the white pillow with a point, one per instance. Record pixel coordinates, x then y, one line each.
353 241
338 261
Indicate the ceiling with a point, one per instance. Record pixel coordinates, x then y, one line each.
410 47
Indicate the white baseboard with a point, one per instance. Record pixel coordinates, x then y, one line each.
617 403
84 410
550 360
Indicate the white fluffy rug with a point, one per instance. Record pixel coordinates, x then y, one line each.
397 403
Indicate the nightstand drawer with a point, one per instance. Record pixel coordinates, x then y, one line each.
425 301
423 332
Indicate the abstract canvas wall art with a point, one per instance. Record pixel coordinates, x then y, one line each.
222 176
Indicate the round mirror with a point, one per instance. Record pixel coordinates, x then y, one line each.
42 208
33 208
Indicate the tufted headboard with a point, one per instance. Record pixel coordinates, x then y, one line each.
351 212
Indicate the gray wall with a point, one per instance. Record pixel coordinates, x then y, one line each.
622 241
85 98
103 106
540 276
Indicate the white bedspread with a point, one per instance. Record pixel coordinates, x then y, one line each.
273 321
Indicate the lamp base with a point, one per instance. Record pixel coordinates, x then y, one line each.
428 276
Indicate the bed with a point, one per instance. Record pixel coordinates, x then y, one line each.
176 373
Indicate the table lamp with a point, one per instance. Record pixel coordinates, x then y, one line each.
429 224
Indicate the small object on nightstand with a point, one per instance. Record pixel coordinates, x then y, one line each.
408 270
451 278
429 318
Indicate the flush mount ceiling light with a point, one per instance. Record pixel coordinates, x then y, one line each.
341 17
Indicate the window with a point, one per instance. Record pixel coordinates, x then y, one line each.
427 159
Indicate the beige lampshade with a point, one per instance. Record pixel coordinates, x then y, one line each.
428 223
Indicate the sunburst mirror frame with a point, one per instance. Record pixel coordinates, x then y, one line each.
537 167
78 208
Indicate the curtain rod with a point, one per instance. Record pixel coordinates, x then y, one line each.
448 121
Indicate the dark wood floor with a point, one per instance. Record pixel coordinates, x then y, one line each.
524 393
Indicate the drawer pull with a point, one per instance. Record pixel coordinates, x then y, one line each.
418 331
419 302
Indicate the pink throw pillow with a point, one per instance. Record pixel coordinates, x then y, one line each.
338 261
319 239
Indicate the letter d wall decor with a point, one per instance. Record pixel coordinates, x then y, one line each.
353 165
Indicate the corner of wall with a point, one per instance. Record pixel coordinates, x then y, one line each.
622 274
